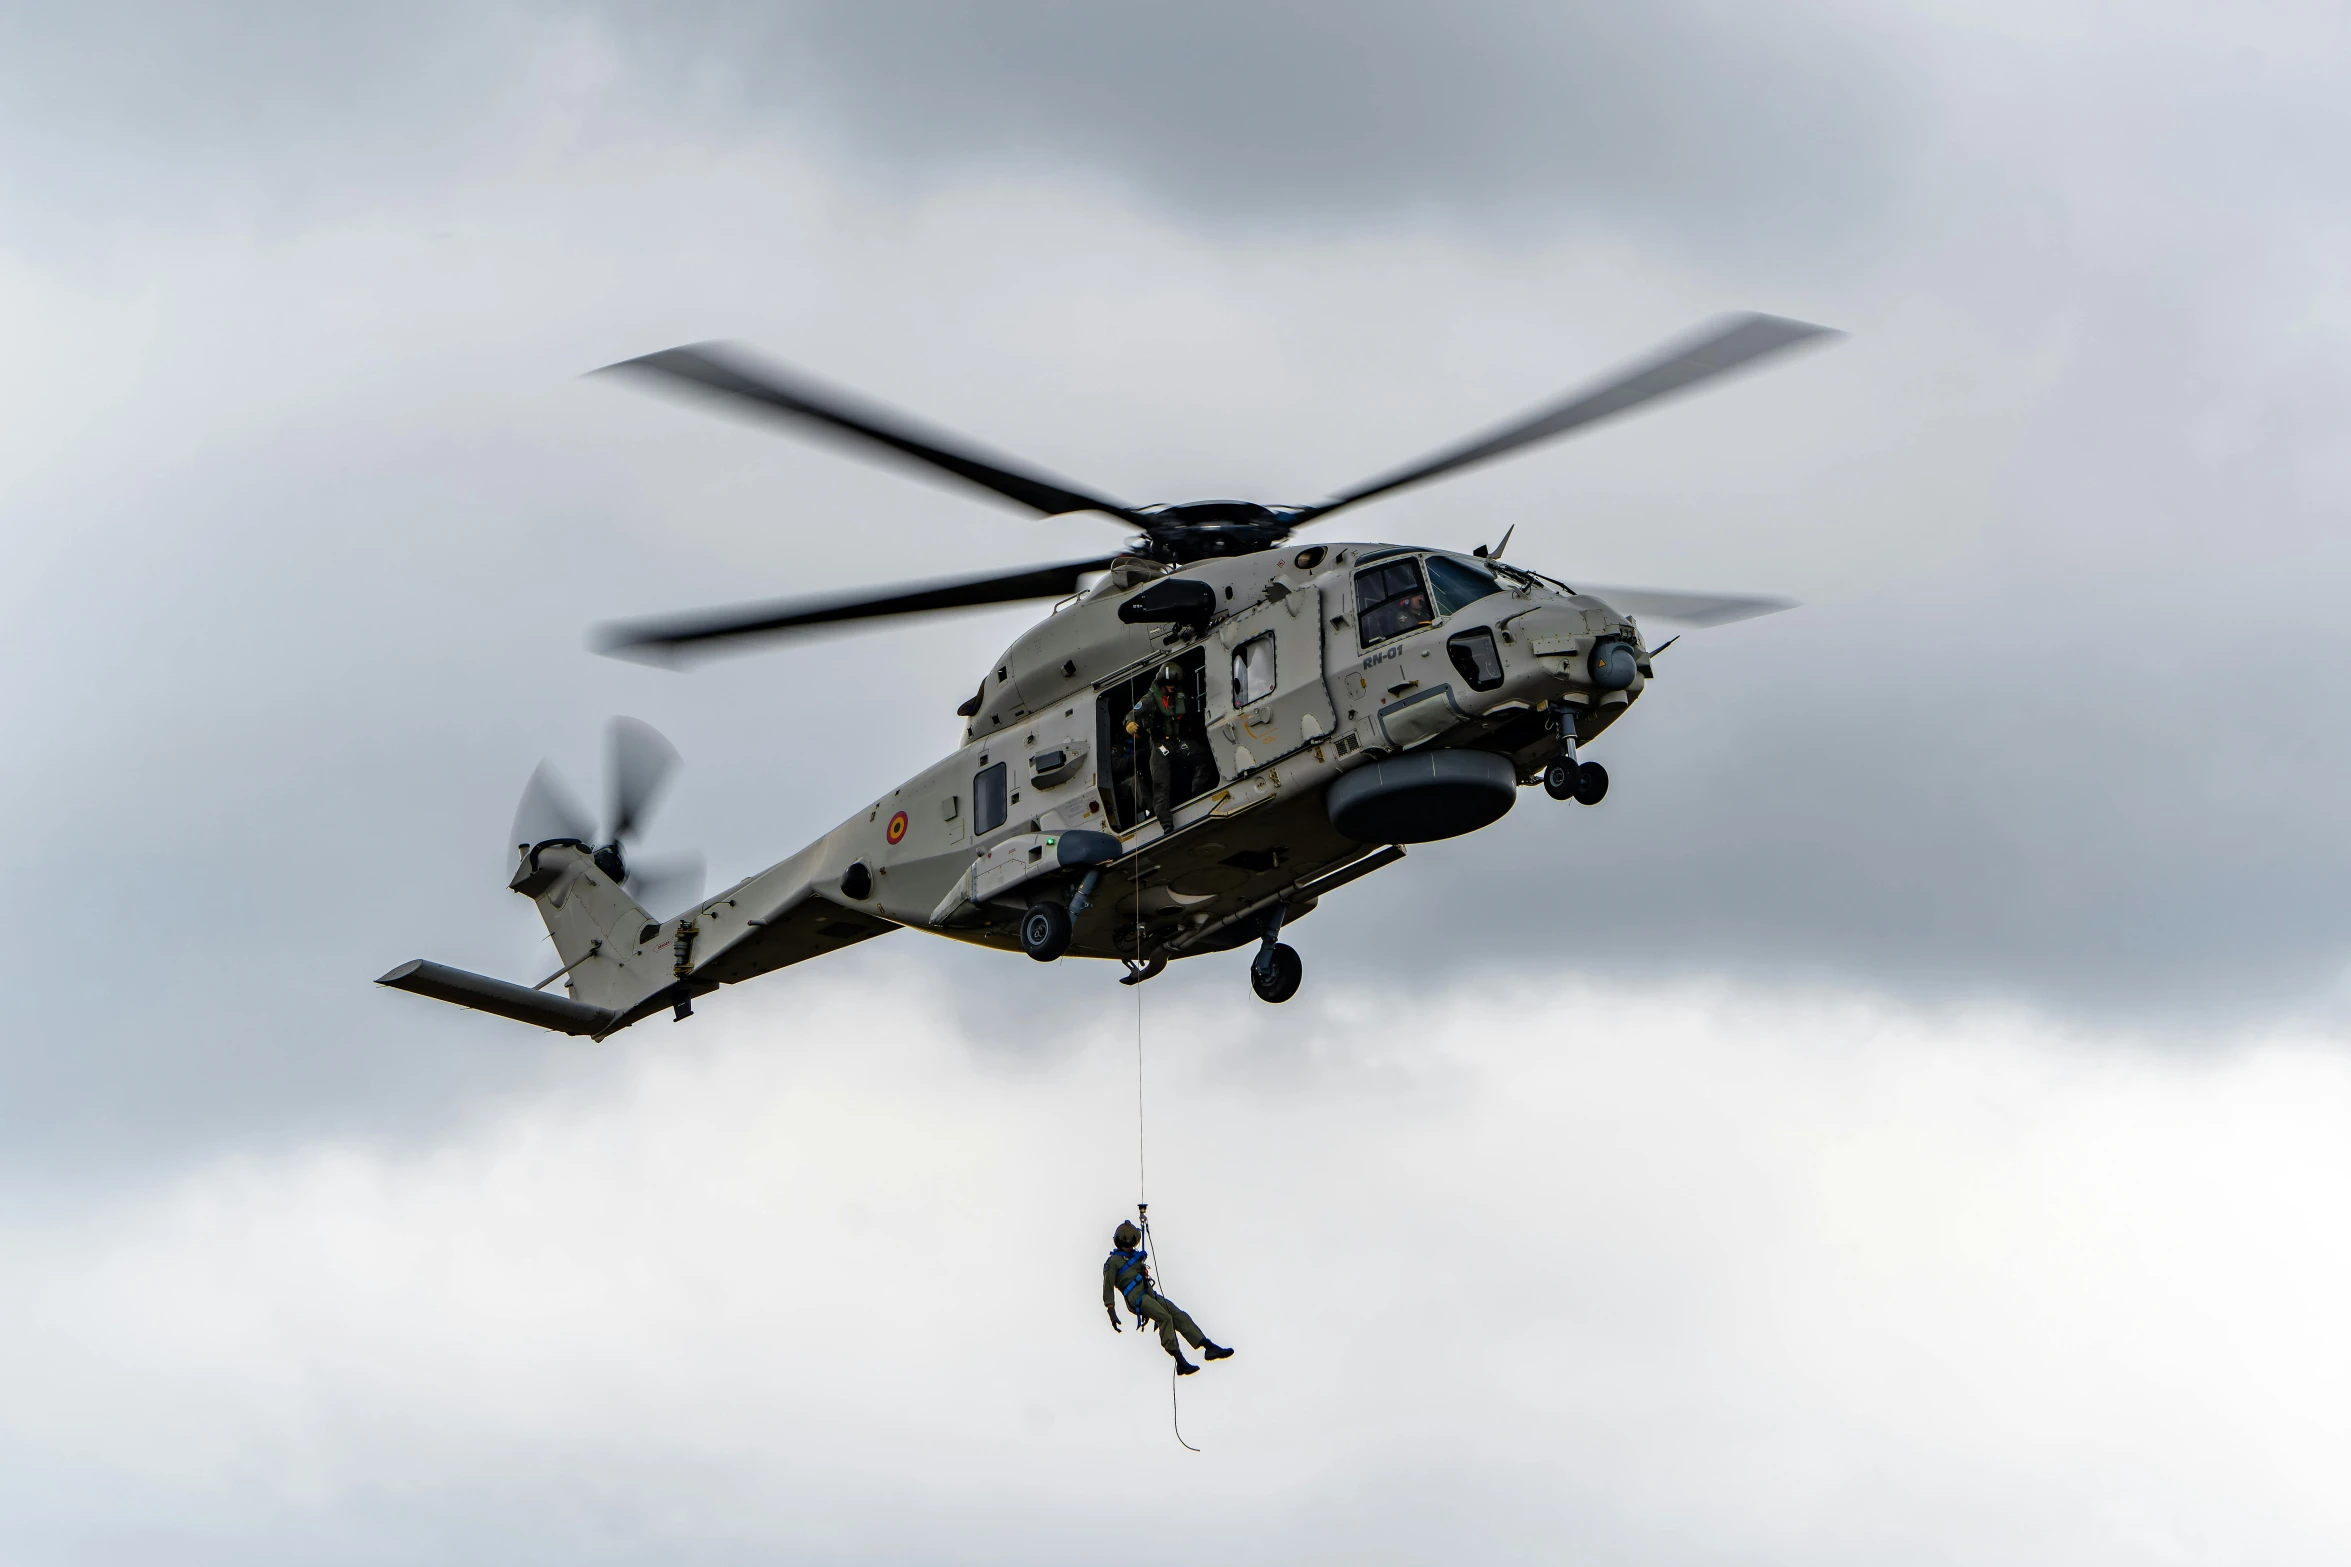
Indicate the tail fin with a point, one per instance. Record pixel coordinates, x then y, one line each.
598 929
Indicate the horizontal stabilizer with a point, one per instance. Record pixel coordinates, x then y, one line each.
483 994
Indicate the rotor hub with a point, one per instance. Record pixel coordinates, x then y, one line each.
1203 530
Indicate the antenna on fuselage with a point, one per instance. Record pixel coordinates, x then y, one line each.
1483 553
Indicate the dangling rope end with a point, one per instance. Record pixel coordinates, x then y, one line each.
1175 1415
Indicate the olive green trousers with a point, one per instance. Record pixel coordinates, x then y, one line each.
1171 1320
1170 776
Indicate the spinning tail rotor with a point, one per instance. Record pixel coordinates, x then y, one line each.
639 766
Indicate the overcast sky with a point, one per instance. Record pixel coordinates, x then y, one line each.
1903 1121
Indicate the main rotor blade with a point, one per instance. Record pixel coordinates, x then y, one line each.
721 370
642 762
1714 350
1698 610
669 639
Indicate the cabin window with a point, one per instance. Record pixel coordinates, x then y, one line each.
1456 584
1474 655
989 805
1390 600
1253 671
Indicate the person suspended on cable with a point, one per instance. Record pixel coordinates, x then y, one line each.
1127 1272
1168 755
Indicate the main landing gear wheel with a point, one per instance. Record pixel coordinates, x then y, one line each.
1591 784
1559 779
1277 979
1044 931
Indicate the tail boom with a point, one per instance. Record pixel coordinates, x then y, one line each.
621 965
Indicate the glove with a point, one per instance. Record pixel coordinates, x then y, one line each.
1133 727
1114 1327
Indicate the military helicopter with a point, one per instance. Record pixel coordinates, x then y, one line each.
1211 731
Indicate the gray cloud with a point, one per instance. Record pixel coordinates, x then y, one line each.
1729 1171
149 117
340 516
1695 119
1700 122
2010 787
343 513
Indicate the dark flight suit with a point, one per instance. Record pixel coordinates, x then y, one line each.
1124 1273
1166 751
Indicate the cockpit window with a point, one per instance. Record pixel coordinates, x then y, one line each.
1390 600
1457 584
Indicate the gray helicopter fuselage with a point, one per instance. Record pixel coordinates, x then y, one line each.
1292 695
1325 706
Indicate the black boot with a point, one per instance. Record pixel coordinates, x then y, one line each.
1216 1352
1184 1368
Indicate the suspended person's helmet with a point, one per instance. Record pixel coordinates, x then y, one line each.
1171 674
1125 1236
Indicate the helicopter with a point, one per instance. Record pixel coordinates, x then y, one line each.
1210 731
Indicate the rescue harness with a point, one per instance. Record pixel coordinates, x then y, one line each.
1133 1274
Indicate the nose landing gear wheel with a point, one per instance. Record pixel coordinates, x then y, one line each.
1584 782
1278 979
1044 931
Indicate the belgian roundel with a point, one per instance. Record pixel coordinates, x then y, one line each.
897 826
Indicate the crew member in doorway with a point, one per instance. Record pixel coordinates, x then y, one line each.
1167 752
1125 1272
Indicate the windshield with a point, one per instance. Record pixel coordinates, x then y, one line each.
1389 600
1457 584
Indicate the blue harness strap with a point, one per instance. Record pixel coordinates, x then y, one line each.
1130 1274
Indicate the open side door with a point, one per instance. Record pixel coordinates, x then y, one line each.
1125 793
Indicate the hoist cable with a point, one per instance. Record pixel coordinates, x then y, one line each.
1142 1165
1175 1414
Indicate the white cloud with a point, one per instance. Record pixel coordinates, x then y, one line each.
1652 1277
